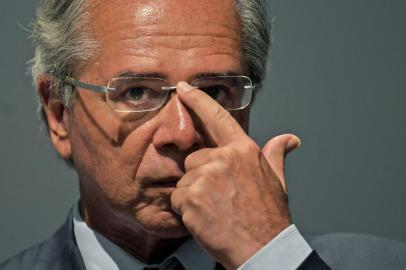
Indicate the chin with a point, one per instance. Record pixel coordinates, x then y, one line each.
165 224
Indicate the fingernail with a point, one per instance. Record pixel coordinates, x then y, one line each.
300 142
293 143
184 86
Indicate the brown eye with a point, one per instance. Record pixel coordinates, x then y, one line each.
135 93
216 92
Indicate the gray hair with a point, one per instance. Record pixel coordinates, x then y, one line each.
256 35
63 46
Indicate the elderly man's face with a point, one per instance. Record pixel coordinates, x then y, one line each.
128 164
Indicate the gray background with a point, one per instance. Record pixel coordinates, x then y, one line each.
337 80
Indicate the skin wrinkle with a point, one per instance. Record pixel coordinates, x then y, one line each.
221 45
145 44
140 51
148 26
156 56
169 48
213 34
149 14
168 40
151 31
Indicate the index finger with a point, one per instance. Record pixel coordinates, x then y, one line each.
218 122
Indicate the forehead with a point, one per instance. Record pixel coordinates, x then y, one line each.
185 14
149 31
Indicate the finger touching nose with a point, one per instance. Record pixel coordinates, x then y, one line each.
177 127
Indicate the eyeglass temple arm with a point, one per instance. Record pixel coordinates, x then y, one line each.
100 89
92 87
172 88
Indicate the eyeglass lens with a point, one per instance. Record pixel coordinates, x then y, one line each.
134 94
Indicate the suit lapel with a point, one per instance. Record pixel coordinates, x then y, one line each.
72 259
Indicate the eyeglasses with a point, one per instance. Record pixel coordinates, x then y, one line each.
143 94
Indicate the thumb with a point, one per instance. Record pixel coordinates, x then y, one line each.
275 151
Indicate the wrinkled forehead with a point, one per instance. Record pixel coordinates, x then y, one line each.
170 17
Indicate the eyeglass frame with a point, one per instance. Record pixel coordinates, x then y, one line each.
105 89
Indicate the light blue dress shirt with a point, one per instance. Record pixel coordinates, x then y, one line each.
286 251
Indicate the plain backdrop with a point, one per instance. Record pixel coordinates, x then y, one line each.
336 79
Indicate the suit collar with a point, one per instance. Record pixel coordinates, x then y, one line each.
65 241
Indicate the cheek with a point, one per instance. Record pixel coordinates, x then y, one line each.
107 167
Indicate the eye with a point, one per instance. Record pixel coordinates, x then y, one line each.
216 92
135 93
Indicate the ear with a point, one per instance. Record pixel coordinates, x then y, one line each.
57 116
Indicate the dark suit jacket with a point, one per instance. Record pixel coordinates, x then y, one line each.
340 251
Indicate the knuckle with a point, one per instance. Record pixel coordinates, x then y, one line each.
195 196
175 201
221 114
226 153
187 218
211 172
179 184
189 160
195 192
250 147
174 195
199 174
245 148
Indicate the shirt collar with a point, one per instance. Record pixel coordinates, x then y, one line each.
100 253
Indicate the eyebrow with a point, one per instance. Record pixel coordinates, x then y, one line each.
132 74
216 74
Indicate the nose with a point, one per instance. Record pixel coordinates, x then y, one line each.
177 129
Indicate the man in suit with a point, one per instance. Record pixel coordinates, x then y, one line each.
149 102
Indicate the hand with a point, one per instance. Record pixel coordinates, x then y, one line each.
232 198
